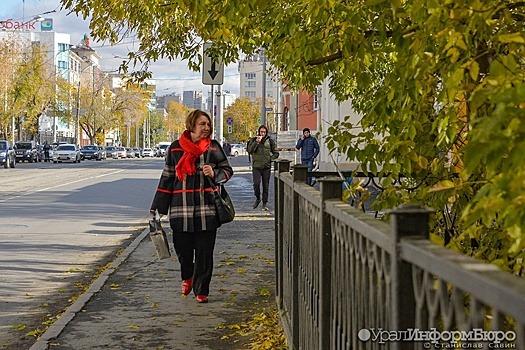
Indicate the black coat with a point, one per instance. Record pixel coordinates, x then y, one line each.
191 203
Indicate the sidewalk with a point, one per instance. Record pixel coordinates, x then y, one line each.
137 303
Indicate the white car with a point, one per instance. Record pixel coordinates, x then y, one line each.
148 152
66 152
238 150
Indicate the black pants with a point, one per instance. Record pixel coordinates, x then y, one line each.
258 175
195 253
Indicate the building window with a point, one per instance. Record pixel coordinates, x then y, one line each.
63 47
249 94
62 64
317 95
250 84
249 75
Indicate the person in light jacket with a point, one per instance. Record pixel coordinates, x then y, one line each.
309 151
195 164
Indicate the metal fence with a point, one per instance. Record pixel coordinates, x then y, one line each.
345 280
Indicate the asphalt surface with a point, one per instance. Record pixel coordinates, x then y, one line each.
137 302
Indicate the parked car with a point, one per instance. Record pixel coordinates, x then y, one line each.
26 151
148 152
163 146
238 150
130 153
137 152
91 152
111 152
7 154
102 151
66 153
121 152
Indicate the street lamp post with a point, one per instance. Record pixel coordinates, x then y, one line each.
77 127
77 121
93 103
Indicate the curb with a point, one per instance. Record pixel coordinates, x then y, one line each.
56 328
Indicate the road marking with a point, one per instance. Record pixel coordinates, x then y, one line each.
56 186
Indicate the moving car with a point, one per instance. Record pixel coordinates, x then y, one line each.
7 154
66 153
91 152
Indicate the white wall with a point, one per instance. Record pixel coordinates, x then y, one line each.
330 110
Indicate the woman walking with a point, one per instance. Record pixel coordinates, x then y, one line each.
195 164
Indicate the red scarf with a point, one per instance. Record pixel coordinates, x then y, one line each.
192 150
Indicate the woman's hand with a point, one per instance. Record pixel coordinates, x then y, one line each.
208 171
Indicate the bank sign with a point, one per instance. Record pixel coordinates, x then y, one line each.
9 24
46 25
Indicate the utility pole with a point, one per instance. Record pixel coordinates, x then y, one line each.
263 101
212 111
219 127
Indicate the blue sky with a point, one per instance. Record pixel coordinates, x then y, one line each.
170 76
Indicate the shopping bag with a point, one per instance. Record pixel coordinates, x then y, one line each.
159 239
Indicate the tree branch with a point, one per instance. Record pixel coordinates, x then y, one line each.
319 61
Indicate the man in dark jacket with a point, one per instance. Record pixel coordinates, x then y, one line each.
262 150
309 151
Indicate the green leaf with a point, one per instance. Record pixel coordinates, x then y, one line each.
512 38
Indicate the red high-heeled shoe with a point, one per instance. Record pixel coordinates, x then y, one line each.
187 285
201 298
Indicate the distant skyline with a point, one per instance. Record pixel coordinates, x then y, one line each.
170 77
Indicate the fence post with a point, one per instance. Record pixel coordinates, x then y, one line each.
282 166
300 172
331 188
298 175
406 220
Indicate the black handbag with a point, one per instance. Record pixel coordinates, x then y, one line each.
159 239
223 205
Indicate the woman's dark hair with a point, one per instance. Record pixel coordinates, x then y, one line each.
191 120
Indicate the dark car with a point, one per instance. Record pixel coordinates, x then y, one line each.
27 151
7 154
91 152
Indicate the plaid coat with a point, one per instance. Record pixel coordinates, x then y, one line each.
191 203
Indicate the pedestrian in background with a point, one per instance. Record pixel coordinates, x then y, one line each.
227 148
195 164
263 151
309 151
46 151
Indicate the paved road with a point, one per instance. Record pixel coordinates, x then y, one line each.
58 223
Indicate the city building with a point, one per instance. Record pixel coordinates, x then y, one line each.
164 101
192 99
75 64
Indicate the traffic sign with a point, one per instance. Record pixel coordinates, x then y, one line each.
229 121
212 69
